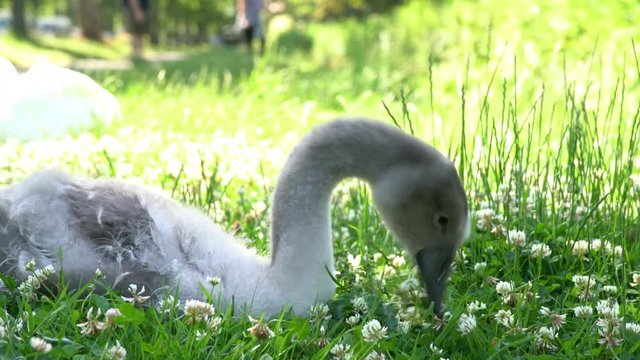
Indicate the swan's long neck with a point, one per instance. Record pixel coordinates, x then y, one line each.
301 234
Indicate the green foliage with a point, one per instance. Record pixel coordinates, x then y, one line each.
293 40
333 9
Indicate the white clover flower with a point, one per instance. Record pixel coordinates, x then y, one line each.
583 311
476 306
30 267
557 320
440 323
609 337
200 335
484 219
353 319
33 282
466 324
499 230
611 289
504 195
608 324
213 280
260 330
116 352
167 304
608 308
136 296
596 244
607 247
44 273
319 312
505 318
479 267
404 326
373 331
198 310
617 251
435 350
374 355
398 261
583 282
408 313
635 282
545 338
409 285
92 325
110 316
540 250
359 305
516 237
544 311
323 340
28 287
341 352
40 345
213 324
100 274
504 287
632 327
580 248
354 261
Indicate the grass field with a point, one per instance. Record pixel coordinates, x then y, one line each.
537 103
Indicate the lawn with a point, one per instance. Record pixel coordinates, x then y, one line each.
537 104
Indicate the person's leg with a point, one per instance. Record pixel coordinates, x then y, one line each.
259 33
248 37
136 45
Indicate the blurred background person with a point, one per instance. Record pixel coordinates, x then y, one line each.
249 19
135 14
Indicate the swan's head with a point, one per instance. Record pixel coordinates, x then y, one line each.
424 205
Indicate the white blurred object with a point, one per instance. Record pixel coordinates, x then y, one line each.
51 101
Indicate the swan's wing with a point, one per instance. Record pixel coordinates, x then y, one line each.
118 224
92 224
111 219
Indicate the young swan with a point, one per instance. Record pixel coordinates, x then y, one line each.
135 235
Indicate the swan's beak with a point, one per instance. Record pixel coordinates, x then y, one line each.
434 264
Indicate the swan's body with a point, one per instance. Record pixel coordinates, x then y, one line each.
121 228
49 100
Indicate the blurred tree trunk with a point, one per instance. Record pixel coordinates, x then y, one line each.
201 37
18 23
108 8
154 22
70 11
90 21
35 8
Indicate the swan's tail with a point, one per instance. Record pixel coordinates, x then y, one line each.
25 214
14 250
5 260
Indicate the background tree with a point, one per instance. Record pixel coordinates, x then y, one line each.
18 22
90 19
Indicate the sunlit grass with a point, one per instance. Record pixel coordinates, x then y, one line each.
25 52
537 106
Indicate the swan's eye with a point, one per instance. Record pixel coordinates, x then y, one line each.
442 220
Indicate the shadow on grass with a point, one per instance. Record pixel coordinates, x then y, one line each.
225 66
60 47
